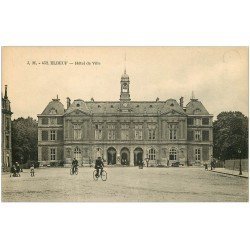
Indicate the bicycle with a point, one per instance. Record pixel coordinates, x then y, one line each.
102 173
74 172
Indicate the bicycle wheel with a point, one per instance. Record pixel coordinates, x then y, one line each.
76 172
71 171
94 175
104 175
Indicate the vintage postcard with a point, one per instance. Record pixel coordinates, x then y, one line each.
124 124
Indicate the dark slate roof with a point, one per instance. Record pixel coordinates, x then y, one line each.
54 104
196 107
95 107
78 104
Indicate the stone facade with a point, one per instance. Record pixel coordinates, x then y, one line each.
6 133
125 132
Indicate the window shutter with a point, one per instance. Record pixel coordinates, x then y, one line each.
44 153
44 135
190 135
59 135
190 121
45 120
205 153
205 135
205 121
59 120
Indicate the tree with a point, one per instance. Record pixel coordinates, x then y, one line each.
24 139
230 135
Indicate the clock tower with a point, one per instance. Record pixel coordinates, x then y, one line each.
125 95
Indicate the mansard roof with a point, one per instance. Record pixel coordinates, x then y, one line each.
195 107
137 107
78 104
54 107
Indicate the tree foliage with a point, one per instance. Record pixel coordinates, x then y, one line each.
24 139
231 135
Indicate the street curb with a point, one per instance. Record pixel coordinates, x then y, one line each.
242 176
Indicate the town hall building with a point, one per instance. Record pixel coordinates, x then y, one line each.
125 132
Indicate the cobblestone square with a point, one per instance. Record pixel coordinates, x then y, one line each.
125 184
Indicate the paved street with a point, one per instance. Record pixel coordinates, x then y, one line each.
125 184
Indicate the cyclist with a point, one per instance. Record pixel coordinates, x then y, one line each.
74 165
98 166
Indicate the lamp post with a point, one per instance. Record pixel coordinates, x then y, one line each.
240 173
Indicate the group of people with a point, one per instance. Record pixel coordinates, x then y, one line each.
98 165
15 169
212 164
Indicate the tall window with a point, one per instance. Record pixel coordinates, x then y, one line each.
151 154
52 135
151 131
172 154
7 141
77 154
111 132
98 131
173 132
7 125
52 154
125 132
197 154
138 132
77 132
197 135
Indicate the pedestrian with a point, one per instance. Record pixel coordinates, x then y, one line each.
32 170
206 168
17 168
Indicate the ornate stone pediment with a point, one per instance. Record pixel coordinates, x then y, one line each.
77 112
172 113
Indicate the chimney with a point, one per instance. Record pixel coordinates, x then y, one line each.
181 102
68 102
5 93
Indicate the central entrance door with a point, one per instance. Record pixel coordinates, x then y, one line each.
111 156
138 156
125 156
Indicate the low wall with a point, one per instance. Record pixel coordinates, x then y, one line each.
235 164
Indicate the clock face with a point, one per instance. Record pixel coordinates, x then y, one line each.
125 104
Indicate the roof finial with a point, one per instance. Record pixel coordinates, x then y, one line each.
6 92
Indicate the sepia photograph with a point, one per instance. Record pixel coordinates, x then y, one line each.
124 124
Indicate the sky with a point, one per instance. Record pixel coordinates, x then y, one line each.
218 76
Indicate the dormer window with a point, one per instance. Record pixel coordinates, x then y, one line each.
197 111
77 105
53 111
172 105
150 106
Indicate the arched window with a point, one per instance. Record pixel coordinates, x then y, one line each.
151 154
77 153
172 154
